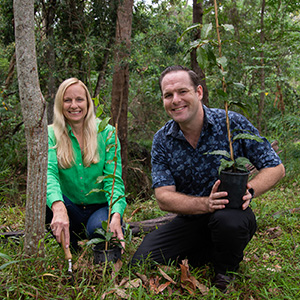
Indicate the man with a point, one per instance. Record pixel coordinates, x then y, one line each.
185 181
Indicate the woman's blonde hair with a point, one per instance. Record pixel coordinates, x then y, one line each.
65 153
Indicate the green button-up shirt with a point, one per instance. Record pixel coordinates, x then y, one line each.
76 182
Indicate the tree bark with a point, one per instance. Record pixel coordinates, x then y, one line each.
120 87
35 121
49 15
262 71
197 18
102 69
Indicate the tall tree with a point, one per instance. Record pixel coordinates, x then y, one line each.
48 10
120 87
262 70
197 18
35 121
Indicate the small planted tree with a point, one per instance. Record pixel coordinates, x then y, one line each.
230 163
107 237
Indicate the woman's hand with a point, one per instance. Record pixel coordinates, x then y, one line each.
60 222
115 227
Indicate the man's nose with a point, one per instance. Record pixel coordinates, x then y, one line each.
176 98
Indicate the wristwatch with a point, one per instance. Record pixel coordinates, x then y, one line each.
251 191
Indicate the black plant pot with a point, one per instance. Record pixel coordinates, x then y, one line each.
101 255
235 184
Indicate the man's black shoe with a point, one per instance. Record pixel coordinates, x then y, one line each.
222 281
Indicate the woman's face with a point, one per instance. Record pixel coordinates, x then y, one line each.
75 104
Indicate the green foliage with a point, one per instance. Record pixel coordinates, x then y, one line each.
83 38
268 270
239 163
106 237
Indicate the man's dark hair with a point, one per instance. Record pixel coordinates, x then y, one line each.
193 76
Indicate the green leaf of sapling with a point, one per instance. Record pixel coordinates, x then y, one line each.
241 162
206 29
239 85
247 136
222 61
219 152
96 100
99 111
228 27
195 26
101 178
103 124
202 58
108 147
110 134
225 164
97 190
95 241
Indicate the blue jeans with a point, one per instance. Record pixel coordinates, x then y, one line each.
84 219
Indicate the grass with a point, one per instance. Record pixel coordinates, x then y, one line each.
270 270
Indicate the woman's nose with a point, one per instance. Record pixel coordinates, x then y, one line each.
73 104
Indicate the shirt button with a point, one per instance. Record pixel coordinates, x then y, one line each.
79 164
80 177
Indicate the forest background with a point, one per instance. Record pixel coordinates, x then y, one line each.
78 38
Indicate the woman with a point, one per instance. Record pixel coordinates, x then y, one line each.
77 156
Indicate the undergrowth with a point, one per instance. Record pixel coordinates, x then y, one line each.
270 269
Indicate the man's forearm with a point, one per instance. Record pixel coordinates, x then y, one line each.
181 204
266 179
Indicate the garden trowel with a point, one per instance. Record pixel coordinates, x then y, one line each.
68 255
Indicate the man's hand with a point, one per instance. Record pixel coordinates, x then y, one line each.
60 222
216 199
115 227
247 197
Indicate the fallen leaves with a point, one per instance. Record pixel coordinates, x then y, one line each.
161 283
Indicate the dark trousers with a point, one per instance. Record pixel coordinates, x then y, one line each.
219 238
83 220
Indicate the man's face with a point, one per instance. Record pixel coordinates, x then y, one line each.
181 101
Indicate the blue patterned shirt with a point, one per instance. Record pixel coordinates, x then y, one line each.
192 171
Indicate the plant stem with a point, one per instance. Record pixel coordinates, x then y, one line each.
113 184
223 83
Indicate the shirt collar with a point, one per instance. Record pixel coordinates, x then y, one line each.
175 131
208 116
69 128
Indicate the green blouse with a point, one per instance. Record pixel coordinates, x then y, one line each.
77 181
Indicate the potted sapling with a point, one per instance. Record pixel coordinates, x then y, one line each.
106 247
233 172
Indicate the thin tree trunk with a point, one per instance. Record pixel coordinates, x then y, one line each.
197 18
11 71
49 15
262 71
102 69
120 88
35 121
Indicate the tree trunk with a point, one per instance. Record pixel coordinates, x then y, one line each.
35 121
120 87
103 68
49 15
197 18
262 71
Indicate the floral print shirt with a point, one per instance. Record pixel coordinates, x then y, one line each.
194 171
